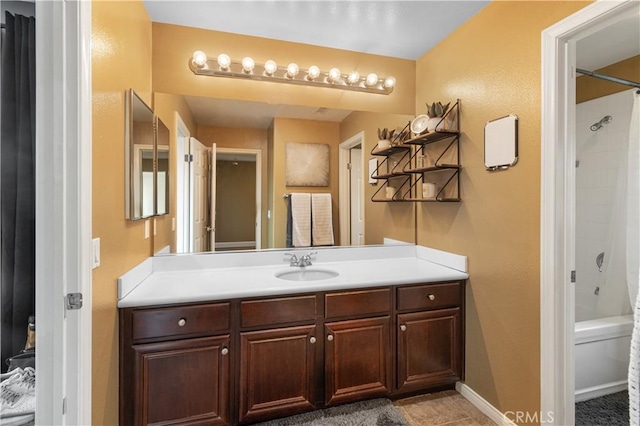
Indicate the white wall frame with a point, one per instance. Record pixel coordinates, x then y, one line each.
63 211
258 156
344 191
557 230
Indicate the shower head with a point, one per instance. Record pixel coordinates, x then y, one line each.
597 126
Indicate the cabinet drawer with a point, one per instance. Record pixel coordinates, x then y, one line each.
175 321
429 296
277 311
351 303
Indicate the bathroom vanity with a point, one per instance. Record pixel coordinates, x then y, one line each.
224 339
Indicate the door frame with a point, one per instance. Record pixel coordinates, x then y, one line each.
344 198
63 211
182 184
258 154
557 215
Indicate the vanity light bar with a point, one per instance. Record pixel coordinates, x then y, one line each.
223 66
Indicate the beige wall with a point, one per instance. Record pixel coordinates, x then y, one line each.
588 88
243 138
166 106
235 201
492 63
391 220
173 46
303 131
121 59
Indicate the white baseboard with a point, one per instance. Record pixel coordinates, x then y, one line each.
601 390
481 404
235 244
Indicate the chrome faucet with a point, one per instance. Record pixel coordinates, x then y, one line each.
304 260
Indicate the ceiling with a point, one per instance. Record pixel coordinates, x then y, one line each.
402 29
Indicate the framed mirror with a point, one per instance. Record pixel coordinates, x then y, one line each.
162 168
139 157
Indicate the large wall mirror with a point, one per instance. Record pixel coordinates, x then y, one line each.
147 160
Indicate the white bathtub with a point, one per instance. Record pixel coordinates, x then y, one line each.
602 356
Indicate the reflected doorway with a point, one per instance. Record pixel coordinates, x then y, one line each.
351 181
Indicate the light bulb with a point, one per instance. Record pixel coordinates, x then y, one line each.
199 58
389 82
353 78
334 75
248 64
372 79
313 72
292 70
224 61
270 67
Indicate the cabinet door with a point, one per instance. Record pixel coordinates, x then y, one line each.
357 360
429 349
182 382
277 372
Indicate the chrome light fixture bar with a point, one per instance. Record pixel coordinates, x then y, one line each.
224 66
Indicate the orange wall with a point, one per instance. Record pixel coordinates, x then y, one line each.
303 131
121 59
173 46
166 106
391 220
235 201
492 63
588 88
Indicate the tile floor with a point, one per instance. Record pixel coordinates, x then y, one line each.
443 408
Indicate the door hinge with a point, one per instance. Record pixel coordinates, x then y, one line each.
349 166
73 301
64 405
573 276
188 158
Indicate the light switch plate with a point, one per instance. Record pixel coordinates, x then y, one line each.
147 228
95 255
173 223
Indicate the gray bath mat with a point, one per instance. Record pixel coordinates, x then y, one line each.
375 412
608 410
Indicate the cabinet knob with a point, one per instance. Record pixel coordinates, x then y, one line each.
182 322
312 339
330 337
224 351
403 327
431 296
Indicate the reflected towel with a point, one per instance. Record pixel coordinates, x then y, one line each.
301 219
321 220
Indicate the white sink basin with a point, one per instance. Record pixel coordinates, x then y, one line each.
305 274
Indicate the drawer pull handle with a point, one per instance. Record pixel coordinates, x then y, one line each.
224 351
403 327
312 340
182 322
431 296
330 338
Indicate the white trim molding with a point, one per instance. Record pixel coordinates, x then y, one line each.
344 192
483 405
557 251
63 211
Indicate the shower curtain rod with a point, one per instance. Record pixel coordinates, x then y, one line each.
609 78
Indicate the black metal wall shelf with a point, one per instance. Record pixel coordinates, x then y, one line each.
414 173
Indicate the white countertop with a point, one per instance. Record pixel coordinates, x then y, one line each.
219 276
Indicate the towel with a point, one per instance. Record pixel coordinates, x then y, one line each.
321 220
301 219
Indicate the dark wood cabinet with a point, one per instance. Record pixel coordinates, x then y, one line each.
182 382
248 360
277 373
357 360
428 349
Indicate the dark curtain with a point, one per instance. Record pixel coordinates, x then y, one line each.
17 181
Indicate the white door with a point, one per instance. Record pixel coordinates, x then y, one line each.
198 190
212 199
355 179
